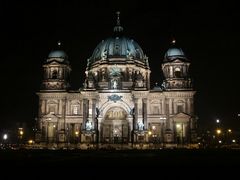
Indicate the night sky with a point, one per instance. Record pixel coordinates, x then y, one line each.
207 32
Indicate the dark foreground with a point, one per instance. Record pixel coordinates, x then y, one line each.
112 158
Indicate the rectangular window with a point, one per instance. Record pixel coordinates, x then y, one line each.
155 110
52 109
179 108
167 108
75 110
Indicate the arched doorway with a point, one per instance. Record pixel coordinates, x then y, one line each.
115 126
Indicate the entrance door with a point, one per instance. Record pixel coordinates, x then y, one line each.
115 126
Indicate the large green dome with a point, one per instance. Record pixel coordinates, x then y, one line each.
117 47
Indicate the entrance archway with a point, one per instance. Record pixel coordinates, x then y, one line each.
115 126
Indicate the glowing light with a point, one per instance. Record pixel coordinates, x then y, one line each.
90 111
150 132
76 133
5 136
54 125
30 141
229 130
21 132
173 41
233 140
217 121
219 131
178 125
154 127
220 142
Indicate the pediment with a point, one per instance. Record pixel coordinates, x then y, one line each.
52 102
50 117
54 62
182 115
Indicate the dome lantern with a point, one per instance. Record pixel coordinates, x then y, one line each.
118 28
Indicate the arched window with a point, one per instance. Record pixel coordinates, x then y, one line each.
177 72
54 74
180 107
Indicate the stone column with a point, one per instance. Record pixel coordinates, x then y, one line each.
94 113
170 107
145 113
68 107
85 112
60 107
41 107
167 112
191 109
48 73
45 106
171 71
135 120
188 106
64 116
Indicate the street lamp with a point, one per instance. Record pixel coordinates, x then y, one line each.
21 132
76 133
150 134
5 137
30 141
77 136
218 131
228 138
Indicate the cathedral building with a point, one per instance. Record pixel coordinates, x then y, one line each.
116 104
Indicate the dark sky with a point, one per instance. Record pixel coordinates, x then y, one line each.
207 32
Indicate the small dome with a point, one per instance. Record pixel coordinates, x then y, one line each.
174 52
57 54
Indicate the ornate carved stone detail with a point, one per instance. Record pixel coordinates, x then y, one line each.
114 98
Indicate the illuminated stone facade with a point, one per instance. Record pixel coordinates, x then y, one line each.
116 104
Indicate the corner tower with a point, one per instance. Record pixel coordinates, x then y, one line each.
179 96
56 71
176 70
